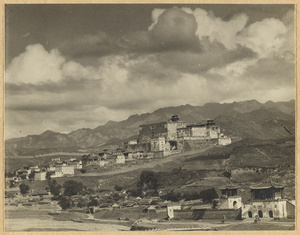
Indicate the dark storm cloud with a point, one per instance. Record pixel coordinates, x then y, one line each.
215 55
48 97
152 70
90 45
169 65
274 72
175 30
64 85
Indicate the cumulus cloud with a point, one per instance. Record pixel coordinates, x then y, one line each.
175 29
217 29
265 37
154 15
185 56
35 65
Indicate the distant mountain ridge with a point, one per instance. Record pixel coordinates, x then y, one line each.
246 119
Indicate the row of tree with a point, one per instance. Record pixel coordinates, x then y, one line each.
207 195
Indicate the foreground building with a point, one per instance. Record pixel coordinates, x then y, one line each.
267 202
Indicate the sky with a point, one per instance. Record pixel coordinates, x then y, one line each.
79 66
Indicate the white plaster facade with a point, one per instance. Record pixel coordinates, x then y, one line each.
40 176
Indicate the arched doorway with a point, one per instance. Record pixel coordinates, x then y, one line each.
260 214
271 214
250 214
235 205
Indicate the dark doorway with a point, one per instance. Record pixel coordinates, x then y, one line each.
250 214
234 204
260 214
271 214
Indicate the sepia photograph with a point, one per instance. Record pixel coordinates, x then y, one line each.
149 117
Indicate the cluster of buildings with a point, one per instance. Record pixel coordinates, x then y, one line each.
266 202
174 135
59 168
56 168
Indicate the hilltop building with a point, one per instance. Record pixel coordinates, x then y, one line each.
174 134
168 130
207 131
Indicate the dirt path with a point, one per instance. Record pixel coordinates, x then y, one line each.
154 164
52 225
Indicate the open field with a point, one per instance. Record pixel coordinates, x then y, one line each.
28 219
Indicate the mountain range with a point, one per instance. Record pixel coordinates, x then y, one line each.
246 119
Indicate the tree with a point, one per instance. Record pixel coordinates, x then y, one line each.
48 176
93 202
214 204
31 175
24 188
64 202
208 195
148 181
118 187
82 203
172 196
23 177
72 187
55 188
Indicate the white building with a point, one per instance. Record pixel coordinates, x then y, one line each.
120 159
40 176
266 202
170 210
65 170
132 142
158 144
224 140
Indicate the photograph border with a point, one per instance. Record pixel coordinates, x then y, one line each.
2 105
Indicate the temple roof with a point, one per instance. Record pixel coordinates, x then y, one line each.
267 186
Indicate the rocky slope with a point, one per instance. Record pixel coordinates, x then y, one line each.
247 119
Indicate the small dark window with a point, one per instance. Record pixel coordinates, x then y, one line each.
271 214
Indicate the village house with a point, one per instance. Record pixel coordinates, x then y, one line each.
94 160
65 170
40 176
34 169
231 198
267 202
120 159
77 164
224 140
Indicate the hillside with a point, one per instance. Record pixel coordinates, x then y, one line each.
247 119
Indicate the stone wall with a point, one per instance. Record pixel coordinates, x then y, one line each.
208 214
147 132
187 145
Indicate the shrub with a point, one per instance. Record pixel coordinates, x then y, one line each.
118 188
24 188
72 187
64 202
